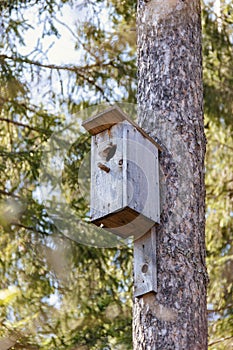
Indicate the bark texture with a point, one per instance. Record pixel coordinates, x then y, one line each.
170 110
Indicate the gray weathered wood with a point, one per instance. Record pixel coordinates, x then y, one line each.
124 181
145 269
106 187
142 175
104 120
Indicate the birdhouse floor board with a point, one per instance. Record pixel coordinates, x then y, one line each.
125 223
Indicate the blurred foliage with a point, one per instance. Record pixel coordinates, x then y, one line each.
219 230
218 62
54 292
218 98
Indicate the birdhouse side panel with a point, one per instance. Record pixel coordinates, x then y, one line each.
142 174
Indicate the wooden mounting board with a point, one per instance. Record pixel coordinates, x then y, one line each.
145 269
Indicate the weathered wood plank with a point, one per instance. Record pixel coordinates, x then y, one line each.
107 186
104 120
145 269
125 223
142 174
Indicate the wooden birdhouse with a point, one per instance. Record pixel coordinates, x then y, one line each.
124 174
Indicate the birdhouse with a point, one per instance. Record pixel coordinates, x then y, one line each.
124 174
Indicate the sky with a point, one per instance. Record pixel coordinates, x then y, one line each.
62 49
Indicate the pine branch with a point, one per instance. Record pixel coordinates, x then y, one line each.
10 194
69 68
10 121
33 229
66 67
220 340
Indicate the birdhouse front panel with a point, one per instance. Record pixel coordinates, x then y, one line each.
107 172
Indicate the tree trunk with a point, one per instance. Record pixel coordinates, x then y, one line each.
170 101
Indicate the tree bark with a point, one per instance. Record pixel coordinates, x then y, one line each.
170 100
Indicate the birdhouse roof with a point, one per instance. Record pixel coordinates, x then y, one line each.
109 117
